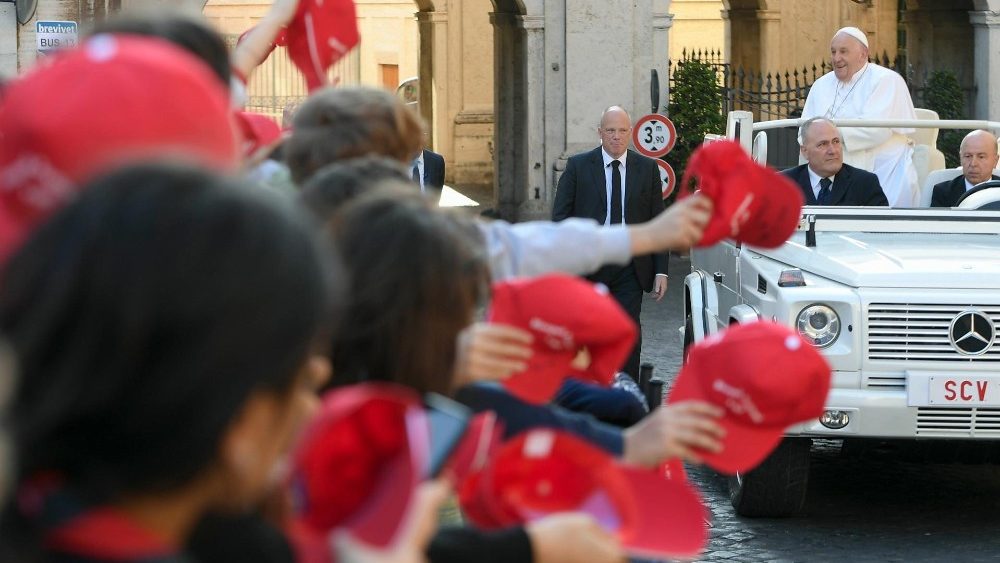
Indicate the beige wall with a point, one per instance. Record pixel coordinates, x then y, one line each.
235 16
697 25
795 33
807 27
388 37
787 34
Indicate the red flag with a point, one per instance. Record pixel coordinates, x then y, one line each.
321 32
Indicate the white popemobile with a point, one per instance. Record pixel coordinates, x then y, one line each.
904 304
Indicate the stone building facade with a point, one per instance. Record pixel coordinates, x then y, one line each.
514 87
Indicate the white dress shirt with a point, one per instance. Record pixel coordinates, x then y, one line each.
607 183
608 171
814 179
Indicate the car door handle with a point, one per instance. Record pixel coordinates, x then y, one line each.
717 277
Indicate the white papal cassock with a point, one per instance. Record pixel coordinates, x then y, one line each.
874 92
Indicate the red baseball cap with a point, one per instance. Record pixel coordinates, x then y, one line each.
320 33
357 466
259 131
546 471
565 314
114 99
752 203
765 376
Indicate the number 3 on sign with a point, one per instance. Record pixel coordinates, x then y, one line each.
654 135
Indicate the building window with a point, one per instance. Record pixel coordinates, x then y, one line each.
390 76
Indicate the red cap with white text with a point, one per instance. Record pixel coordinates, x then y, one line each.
565 314
765 376
751 203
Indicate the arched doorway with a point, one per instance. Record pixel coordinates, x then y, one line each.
472 91
743 46
551 73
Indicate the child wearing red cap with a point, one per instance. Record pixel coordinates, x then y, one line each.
48 150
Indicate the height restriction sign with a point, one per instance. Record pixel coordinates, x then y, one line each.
654 135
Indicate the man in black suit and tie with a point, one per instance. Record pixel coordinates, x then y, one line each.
428 171
978 153
616 186
824 179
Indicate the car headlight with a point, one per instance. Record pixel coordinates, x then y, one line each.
819 325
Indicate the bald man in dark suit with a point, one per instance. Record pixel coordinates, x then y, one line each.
616 186
978 154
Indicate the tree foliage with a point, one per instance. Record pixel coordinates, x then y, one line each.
695 108
944 95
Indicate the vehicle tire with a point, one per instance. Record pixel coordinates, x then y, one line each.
776 487
688 337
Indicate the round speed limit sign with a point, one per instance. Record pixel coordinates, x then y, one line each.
654 135
668 177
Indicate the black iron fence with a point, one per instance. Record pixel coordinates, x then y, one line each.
277 82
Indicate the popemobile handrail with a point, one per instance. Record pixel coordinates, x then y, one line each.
894 123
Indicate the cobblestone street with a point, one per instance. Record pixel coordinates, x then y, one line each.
881 505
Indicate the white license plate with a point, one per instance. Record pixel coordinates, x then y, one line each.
964 391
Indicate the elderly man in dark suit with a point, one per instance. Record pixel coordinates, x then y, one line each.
978 153
616 186
824 179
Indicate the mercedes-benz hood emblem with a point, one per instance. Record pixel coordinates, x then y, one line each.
972 333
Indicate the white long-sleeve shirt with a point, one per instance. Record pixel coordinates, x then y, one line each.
572 246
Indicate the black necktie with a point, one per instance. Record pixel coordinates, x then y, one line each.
416 173
616 193
824 191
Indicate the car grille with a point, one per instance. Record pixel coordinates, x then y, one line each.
967 422
920 332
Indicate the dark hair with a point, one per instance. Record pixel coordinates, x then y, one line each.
145 314
348 122
336 184
416 278
192 35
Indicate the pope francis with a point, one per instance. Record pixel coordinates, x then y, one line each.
858 89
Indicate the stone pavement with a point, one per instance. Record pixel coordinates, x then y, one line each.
881 504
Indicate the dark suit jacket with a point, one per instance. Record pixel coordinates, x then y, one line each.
582 192
946 194
851 186
433 170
